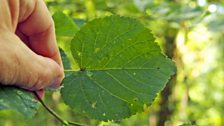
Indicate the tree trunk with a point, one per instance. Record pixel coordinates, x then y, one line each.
165 111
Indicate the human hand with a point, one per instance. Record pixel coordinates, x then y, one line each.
29 57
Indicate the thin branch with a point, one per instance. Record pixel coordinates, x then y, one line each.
52 112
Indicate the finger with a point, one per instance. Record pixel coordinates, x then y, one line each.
23 37
39 28
24 68
58 73
41 73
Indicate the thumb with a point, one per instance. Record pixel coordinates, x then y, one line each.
20 66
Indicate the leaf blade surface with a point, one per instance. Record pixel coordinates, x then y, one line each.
121 69
18 100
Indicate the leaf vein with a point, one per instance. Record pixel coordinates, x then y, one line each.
120 83
99 85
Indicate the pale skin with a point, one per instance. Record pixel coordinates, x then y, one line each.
29 57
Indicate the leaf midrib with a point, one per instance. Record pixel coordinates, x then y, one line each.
107 69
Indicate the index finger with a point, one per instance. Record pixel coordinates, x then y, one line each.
39 28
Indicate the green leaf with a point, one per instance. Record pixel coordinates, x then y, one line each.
187 124
18 100
79 22
65 60
64 25
121 69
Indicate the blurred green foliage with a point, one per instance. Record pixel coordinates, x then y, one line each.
197 28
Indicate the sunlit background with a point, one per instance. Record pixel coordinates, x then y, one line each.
191 32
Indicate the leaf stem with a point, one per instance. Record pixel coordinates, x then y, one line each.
53 113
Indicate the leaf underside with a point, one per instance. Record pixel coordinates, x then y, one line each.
121 69
18 100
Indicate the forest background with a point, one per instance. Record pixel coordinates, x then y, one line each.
191 32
